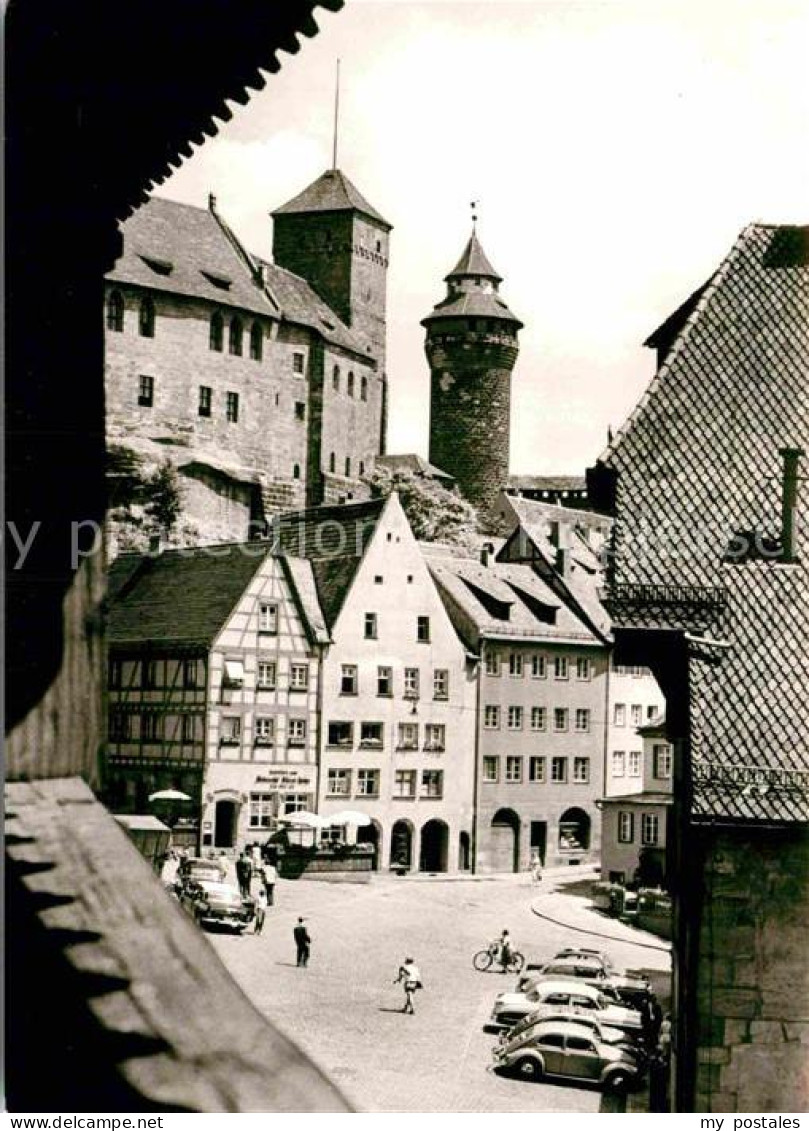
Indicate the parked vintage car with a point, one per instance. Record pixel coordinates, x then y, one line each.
632 987
199 868
567 1049
211 901
588 1018
509 1008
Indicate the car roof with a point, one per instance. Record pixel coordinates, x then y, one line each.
563 986
217 886
566 1028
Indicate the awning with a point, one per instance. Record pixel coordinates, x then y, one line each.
234 672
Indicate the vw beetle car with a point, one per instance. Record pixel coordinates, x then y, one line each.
588 1019
565 1049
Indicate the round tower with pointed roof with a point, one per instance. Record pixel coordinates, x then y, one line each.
471 348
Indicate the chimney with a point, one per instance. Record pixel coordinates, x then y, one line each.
789 501
211 202
486 553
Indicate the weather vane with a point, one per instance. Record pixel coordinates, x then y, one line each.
473 204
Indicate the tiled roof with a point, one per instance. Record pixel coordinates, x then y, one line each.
699 461
648 797
332 540
547 483
302 581
331 192
178 597
472 304
416 464
181 249
473 261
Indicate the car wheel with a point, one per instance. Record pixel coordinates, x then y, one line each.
482 960
618 1082
527 1068
516 963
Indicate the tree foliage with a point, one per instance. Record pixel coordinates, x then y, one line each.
165 499
435 513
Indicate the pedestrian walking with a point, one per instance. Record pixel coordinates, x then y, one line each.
244 873
270 878
303 942
535 866
411 979
261 910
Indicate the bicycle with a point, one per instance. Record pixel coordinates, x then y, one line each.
483 960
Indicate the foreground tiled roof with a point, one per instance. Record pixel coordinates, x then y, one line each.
331 192
698 462
181 249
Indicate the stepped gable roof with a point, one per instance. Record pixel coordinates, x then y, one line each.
331 192
473 261
185 250
179 597
505 602
414 464
333 540
701 452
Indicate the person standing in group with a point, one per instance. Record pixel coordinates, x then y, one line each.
270 878
411 978
244 873
303 942
260 900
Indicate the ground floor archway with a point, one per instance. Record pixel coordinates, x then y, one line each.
401 844
434 846
226 815
574 831
372 835
504 840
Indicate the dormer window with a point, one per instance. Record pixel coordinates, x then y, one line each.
146 317
115 312
159 266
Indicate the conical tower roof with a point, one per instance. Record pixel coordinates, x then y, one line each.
473 261
331 192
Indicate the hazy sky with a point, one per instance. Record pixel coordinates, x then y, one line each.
616 148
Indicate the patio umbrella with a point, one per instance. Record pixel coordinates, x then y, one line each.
304 819
169 795
349 817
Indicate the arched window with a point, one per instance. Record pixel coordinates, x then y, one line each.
364 388
332 462
335 378
216 332
235 335
348 465
351 383
296 471
256 341
146 318
115 312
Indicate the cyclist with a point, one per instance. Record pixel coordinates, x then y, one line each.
503 950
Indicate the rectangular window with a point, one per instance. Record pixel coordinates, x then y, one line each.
119 726
491 717
618 763
408 736
297 732
297 363
536 769
232 408
582 667
635 758
539 667
661 760
149 675
231 730
189 674
348 679
339 783
650 713
264 730
491 768
295 802
368 783
581 770
266 676
539 718
560 668
340 734
515 664
558 770
260 811
411 683
619 715
560 718
435 736
582 719
268 618
626 827
637 715
404 783
205 400
513 769
370 626
145 391
440 683
423 630
492 663
371 735
432 783
384 681
299 677
515 718
649 828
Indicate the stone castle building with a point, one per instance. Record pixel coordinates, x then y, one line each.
471 348
262 383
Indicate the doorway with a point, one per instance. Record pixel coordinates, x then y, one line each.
224 833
